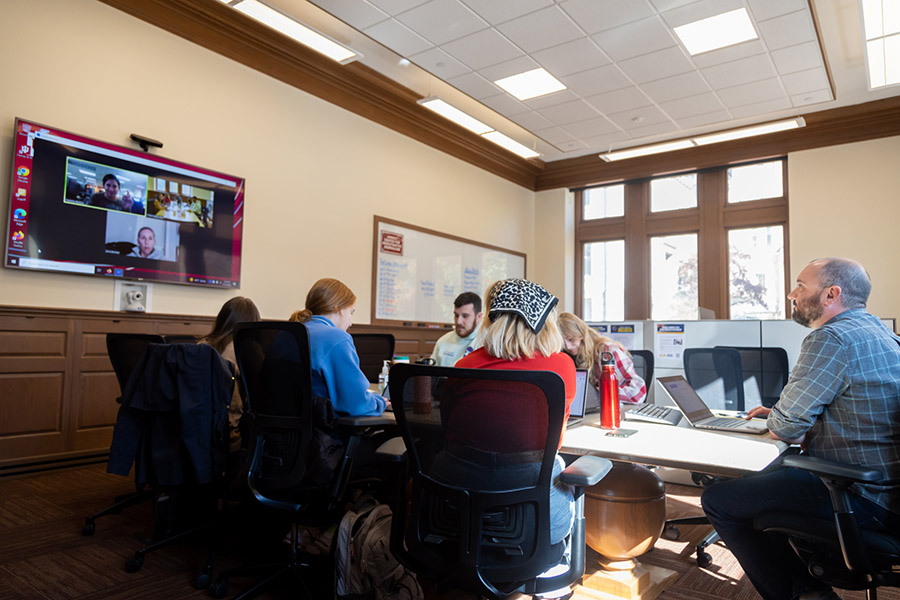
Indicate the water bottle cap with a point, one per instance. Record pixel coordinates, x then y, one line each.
606 358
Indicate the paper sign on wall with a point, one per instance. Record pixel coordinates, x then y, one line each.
670 340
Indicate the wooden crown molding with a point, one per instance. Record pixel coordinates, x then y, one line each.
365 92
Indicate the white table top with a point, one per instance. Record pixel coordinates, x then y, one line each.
704 451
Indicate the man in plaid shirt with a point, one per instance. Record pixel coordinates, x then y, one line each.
842 402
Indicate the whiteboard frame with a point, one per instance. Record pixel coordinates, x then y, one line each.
378 220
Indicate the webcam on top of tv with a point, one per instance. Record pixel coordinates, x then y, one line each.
145 142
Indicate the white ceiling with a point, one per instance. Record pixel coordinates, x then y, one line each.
630 81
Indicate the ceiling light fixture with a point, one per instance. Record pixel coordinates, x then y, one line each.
531 84
510 144
702 140
881 30
454 114
284 24
720 31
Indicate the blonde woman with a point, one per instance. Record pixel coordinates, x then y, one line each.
334 362
519 331
586 345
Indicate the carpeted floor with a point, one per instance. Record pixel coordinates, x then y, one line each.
44 555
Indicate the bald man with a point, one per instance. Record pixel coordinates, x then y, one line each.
842 403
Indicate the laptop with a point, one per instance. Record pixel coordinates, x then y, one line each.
698 414
576 410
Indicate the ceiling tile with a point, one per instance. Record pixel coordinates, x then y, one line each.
638 117
664 5
656 65
679 86
719 116
475 86
596 81
542 29
505 104
728 54
788 30
691 106
750 93
398 38
392 7
607 141
500 11
591 127
808 98
441 21
439 63
805 81
797 58
510 67
650 130
699 10
569 112
619 100
555 135
598 15
634 39
551 99
766 9
357 13
483 49
572 57
761 108
572 146
533 121
738 72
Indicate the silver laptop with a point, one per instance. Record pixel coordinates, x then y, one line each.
699 415
576 410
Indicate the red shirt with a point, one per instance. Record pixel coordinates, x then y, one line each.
475 419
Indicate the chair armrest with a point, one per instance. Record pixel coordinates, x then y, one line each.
362 422
834 470
585 471
393 450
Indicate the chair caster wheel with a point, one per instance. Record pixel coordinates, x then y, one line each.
134 565
219 589
88 529
671 533
704 560
202 581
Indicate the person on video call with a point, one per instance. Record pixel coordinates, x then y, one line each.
131 205
109 197
841 403
455 344
146 247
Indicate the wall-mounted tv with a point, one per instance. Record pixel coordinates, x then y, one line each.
79 205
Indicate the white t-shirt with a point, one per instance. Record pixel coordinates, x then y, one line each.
450 348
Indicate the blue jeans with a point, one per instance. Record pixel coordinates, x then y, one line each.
770 563
456 470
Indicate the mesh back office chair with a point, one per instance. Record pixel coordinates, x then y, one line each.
284 474
492 542
643 364
125 351
373 349
715 374
765 373
837 551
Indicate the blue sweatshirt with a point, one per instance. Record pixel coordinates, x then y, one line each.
335 370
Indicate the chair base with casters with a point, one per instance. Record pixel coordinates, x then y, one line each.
837 551
671 531
121 503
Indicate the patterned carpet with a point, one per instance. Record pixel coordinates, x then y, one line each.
43 554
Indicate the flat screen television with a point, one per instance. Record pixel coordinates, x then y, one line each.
79 205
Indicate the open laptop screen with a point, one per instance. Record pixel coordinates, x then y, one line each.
581 385
686 398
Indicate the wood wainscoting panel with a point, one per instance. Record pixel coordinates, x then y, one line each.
101 409
31 414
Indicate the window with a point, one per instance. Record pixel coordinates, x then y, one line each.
604 281
711 239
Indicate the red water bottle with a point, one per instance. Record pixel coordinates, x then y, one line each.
609 393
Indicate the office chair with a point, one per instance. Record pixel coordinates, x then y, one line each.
181 339
492 542
715 374
838 551
125 351
643 364
765 373
284 474
373 349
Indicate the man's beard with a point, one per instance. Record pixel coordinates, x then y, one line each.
806 315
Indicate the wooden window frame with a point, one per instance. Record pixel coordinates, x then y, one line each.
711 220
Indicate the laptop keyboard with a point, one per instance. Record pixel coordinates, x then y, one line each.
724 422
653 413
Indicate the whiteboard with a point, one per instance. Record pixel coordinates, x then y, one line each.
417 273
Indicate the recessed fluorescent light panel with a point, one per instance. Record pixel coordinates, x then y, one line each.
736 134
712 33
510 144
280 22
645 150
881 28
454 114
531 84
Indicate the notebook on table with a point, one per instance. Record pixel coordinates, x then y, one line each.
697 412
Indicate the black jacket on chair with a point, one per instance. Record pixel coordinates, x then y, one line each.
172 422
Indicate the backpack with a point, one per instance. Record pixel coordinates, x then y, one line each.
365 568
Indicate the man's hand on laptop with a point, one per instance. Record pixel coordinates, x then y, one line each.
758 412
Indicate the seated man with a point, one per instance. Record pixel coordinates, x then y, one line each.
841 403
455 344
